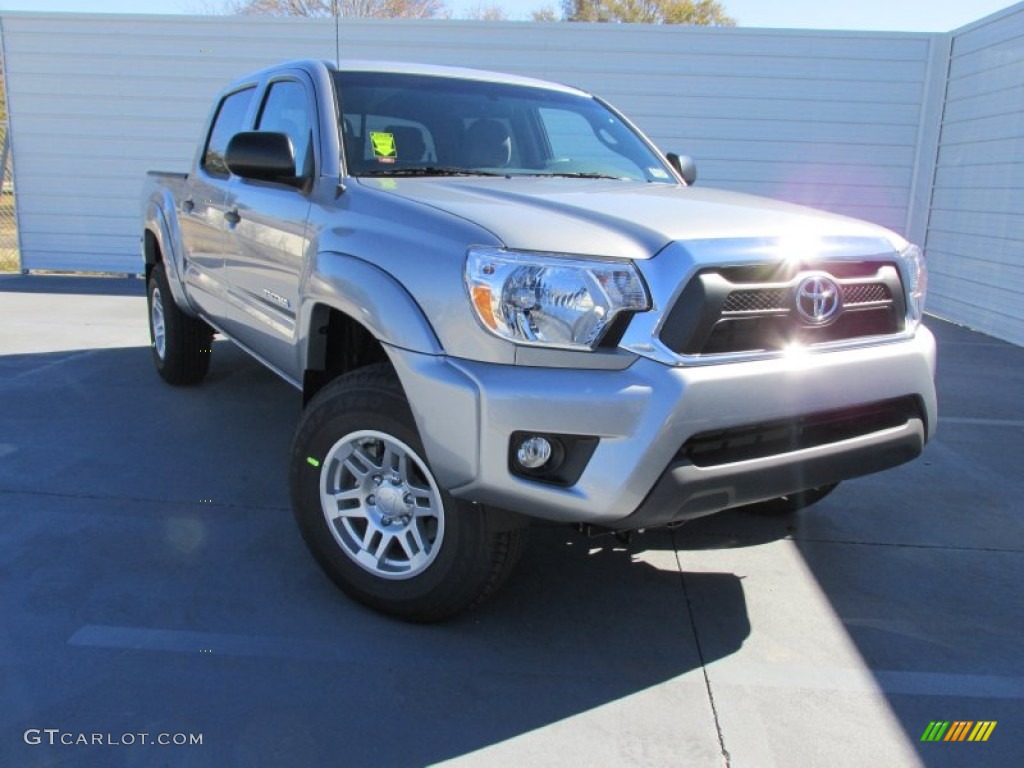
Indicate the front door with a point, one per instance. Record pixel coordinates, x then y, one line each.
267 222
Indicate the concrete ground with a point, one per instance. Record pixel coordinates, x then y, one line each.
152 582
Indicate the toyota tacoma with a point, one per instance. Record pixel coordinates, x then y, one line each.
500 301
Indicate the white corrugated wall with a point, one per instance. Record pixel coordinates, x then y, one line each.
95 101
975 240
831 119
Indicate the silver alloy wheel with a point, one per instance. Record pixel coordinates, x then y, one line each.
381 504
156 317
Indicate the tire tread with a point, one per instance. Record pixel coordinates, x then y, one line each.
482 569
187 339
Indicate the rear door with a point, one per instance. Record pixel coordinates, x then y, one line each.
267 223
202 208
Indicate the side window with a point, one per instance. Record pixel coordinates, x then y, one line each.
230 120
286 110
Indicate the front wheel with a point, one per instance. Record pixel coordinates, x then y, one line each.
374 515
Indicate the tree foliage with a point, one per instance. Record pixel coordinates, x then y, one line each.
392 9
698 12
482 12
547 13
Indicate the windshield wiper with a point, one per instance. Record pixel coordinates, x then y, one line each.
581 175
430 170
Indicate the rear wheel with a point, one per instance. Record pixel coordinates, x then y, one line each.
180 343
374 515
791 502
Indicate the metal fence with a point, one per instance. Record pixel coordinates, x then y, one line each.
10 260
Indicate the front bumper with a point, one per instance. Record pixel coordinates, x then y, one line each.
643 415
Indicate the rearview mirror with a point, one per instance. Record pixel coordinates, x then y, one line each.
263 156
685 167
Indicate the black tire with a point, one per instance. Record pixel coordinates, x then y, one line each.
181 353
350 440
790 503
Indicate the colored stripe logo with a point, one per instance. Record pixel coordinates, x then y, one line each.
958 730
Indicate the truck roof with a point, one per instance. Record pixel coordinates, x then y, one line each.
408 68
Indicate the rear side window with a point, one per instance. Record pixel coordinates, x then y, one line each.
230 120
286 110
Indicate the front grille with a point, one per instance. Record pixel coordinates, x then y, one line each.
769 300
865 293
773 333
786 271
758 441
753 309
774 300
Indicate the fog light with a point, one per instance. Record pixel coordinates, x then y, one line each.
546 458
533 453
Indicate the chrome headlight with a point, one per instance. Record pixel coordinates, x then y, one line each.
915 282
548 299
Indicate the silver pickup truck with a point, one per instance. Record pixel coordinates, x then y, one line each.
500 301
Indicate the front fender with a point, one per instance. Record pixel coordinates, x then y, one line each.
370 296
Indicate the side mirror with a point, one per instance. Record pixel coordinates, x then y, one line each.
685 167
263 156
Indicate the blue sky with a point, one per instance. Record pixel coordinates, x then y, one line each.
898 15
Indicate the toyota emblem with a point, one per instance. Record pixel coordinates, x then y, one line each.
817 299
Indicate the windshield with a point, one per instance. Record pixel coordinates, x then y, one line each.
423 125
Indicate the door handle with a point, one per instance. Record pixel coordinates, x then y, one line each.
187 206
232 216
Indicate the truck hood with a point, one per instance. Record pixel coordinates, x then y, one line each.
618 218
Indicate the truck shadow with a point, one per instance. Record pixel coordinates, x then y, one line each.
734 529
577 628
141 510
